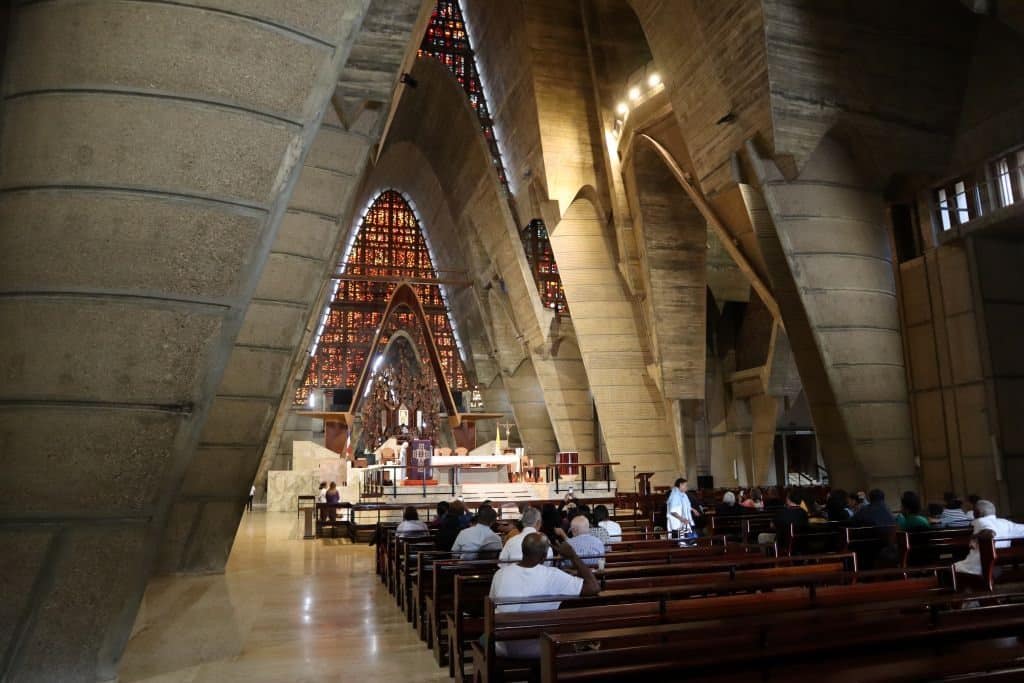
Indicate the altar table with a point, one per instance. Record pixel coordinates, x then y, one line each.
473 475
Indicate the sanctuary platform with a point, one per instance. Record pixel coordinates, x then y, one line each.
472 478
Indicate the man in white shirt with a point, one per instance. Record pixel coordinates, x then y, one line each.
478 539
985 519
530 577
513 550
613 528
680 513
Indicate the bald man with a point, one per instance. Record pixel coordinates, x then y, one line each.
530 577
587 546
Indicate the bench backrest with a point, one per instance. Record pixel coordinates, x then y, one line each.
632 650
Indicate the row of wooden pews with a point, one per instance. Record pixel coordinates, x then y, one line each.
910 630
669 612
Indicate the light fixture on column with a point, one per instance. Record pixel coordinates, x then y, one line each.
634 94
622 109
476 400
654 80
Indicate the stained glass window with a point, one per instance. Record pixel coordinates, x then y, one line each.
446 40
388 248
545 271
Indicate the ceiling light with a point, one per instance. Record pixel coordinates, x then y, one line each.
634 93
654 80
622 109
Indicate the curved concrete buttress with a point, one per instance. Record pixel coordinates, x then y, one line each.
205 515
147 154
631 409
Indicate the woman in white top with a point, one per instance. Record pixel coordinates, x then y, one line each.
411 523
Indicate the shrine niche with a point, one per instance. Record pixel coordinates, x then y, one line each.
403 399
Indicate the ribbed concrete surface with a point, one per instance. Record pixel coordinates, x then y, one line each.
147 153
256 380
630 407
846 288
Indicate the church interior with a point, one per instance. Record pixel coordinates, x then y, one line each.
743 279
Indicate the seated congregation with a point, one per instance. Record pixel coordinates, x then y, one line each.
772 582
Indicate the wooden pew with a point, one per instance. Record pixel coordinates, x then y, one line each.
869 542
1000 564
730 563
743 528
849 637
678 606
407 549
673 570
465 621
928 547
420 581
441 598
381 538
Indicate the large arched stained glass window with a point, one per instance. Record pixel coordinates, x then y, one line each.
447 41
388 248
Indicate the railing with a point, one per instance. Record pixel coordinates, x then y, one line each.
375 484
552 474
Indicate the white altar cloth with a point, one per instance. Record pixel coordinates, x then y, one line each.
510 459
482 475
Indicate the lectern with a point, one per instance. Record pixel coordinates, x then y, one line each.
644 483
567 462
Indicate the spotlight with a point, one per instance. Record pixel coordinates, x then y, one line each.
622 109
654 80
634 93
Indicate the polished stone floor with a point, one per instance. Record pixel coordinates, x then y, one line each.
286 610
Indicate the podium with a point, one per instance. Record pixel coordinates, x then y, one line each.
644 483
567 462
418 457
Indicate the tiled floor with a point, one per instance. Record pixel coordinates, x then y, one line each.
286 610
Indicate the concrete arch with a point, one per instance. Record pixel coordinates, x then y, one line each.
405 297
461 164
631 408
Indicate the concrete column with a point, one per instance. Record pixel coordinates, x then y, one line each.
834 268
764 411
148 152
631 408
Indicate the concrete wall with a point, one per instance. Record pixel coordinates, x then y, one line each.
999 300
946 376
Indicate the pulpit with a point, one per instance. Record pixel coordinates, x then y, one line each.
567 461
644 483
418 458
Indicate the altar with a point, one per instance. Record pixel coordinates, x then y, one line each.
476 469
